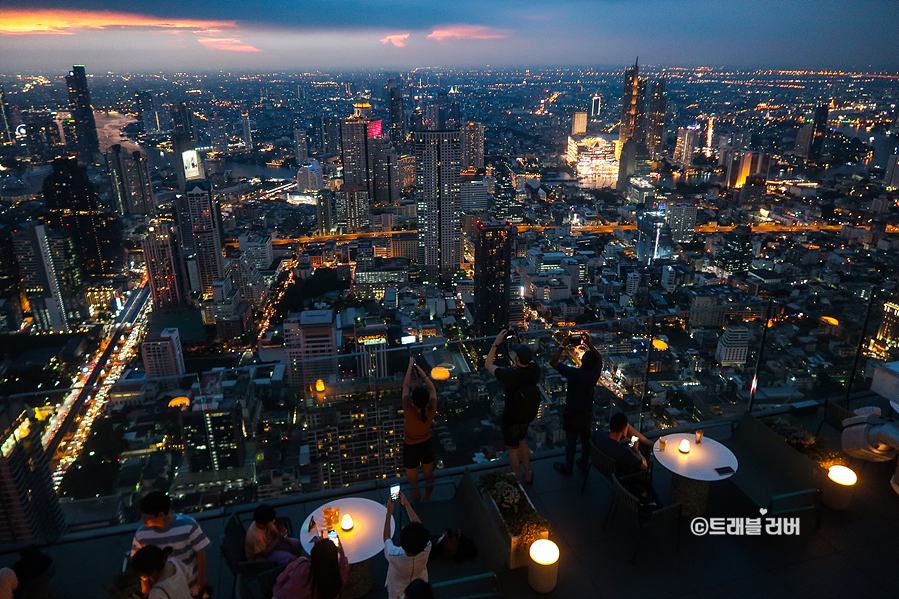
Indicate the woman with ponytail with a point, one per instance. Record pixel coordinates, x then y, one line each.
419 409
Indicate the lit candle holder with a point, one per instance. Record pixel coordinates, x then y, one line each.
842 475
684 446
346 522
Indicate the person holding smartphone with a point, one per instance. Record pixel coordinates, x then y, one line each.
619 446
320 576
410 560
265 541
419 409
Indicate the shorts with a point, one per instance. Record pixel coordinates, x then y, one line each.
418 454
514 433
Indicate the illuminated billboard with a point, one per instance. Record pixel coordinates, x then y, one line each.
191 164
406 340
375 128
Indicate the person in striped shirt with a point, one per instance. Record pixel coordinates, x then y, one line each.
180 532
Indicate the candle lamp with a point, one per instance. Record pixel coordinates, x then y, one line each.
346 522
684 446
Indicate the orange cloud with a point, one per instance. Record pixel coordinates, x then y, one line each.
229 44
397 39
65 21
462 31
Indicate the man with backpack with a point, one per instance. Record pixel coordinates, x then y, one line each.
522 399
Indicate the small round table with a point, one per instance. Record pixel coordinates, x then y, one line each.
693 471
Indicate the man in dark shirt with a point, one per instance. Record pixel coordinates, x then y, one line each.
522 400
577 419
616 445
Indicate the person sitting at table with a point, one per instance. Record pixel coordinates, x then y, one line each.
265 541
410 560
419 409
616 445
319 576
161 576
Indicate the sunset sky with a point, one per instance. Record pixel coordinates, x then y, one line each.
203 35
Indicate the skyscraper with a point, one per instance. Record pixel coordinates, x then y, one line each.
492 276
633 106
473 146
323 213
310 339
579 123
300 148
626 164
330 128
504 190
438 167
653 239
891 176
686 142
166 269
681 219
658 106
819 135
29 510
73 207
357 156
162 356
595 105
203 213
86 142
397 116
352 208
386 172
212 434
129 179
183 120
247 131
804 139
7 131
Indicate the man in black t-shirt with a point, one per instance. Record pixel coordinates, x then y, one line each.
522 401
577 419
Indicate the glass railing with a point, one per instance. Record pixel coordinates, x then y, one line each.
258 431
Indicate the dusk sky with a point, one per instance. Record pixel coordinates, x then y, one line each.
201 35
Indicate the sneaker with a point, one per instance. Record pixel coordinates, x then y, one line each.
560 467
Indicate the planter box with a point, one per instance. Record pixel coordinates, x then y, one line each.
518 551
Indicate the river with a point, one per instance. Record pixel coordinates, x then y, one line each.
883 145
108 126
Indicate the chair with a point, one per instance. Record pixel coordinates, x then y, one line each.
260 586
608 468
232 549
834 415
630 505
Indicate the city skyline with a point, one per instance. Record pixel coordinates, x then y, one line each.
400 34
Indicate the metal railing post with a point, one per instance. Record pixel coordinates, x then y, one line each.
758 359
652 322
858 348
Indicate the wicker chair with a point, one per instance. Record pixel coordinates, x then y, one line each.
630 505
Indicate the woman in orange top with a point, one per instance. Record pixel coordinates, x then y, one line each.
419 409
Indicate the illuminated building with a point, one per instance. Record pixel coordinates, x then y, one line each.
438 166
86 142
681 219
247 131
232 315
386 172
504 189
353 210
473 146
686 143
74 207
323 213
50 276
888 333
43 139
7 131
891 177
357 151
653 239
655 119
183 120
300 150
161 353
626 163
166 270
29 508
733 346
310 340
309 177
804 139
203 214
371 344
492 276
744 165
593 158
212 433
736 254
397 115
248 280
595 105
819 134
633 106
579 123
129 179
258 248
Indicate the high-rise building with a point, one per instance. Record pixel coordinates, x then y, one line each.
73 207
7 131
357 134
655 121
219 132
386 172
371 345
653 239
891 177
804 139
310 339
681 220
686 143
595 105
29 509
183 120
504 189
438 167
248 280
579 123
353 210
212 433
86 142
162 356
166 270
397 110
324 213
50 276
129 179
492 276
309 177
300 148
744 165
633 106
43 139
330 129
888 332
247 128
627 163
733 346
816 148
473 146
736 253
204 216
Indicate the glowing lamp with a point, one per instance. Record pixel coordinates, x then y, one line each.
659 344
346 522
684 446
179 402
439 373
543 571
830 320
842 475
544 552
319 385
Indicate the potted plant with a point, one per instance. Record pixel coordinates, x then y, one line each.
515 514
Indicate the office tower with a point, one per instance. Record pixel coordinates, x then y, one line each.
371 345
492 276
258 248
816 148
309 177
352 208
218 132
655 121
331 143
736 253
73 206
183 120
653 239
473 195
233 316
188 164
247 131
804 140
683 149
29 509
357 133
86 142
323 213
386 172
248 280
579 123
203 213
473 146
162 355
744 165
595 105
397 110
212 434
166 270
733 346
504 190
310 339
626 163
681 219
633 106
50 276
438 165
891 176
129 179
300 149
7 130
43 139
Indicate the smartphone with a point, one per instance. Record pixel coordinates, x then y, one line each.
634 440
332 534
394 492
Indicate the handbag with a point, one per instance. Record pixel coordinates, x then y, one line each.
576 423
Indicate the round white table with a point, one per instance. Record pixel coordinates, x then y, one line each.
694 470
365 540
